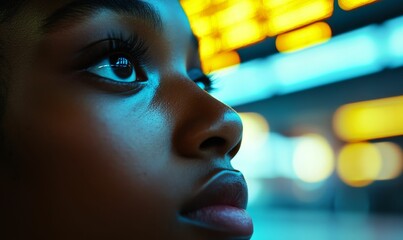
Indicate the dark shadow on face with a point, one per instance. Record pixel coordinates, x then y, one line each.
109 135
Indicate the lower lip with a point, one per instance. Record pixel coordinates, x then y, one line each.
224 218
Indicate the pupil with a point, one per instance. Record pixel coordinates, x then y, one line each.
121 66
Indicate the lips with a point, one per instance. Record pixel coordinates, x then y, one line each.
220 205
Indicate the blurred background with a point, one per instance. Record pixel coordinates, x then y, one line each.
319 86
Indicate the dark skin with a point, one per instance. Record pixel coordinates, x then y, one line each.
104 159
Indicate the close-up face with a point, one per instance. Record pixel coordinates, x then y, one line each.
108 128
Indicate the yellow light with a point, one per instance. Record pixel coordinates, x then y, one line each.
370 119
255 129
301 38
194 6
242 34
359 164
221 60
353 4
270 4
313 159
208 46
290 16
201 26
217 2
238 12
392 161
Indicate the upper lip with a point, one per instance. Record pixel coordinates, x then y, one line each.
225 187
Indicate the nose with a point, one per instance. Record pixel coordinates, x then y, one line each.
204 127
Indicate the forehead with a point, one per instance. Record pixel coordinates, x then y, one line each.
41 14
28 27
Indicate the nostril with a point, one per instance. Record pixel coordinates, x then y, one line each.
213 143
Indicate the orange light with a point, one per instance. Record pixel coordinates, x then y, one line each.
301 38
353 4
221 60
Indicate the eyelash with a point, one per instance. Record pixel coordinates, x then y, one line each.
205 81
136 49
132 48
208 81
133 45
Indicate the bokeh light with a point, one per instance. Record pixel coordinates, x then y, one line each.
394 34
370 119
195 6
294 14
242 34
221 60
392 162
223 26
238 12
359 164
202 26
310 35
313 159
253 158
353 4
255 130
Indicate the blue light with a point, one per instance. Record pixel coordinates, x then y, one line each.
246 83
357 53
394 38
344 57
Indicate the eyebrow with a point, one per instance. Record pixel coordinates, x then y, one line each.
77 11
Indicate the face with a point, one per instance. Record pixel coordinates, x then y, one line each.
108 132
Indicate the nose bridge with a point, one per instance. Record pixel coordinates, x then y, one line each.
203 127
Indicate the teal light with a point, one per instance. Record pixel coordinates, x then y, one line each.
394 33
248 82
353 54
349 55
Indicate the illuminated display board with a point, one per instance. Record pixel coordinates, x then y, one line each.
225 26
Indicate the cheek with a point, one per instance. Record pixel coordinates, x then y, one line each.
138 133
96 157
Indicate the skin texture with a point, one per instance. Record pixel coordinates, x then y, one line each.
85 161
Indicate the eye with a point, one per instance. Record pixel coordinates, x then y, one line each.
117 67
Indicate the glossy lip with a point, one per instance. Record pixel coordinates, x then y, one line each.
225 188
